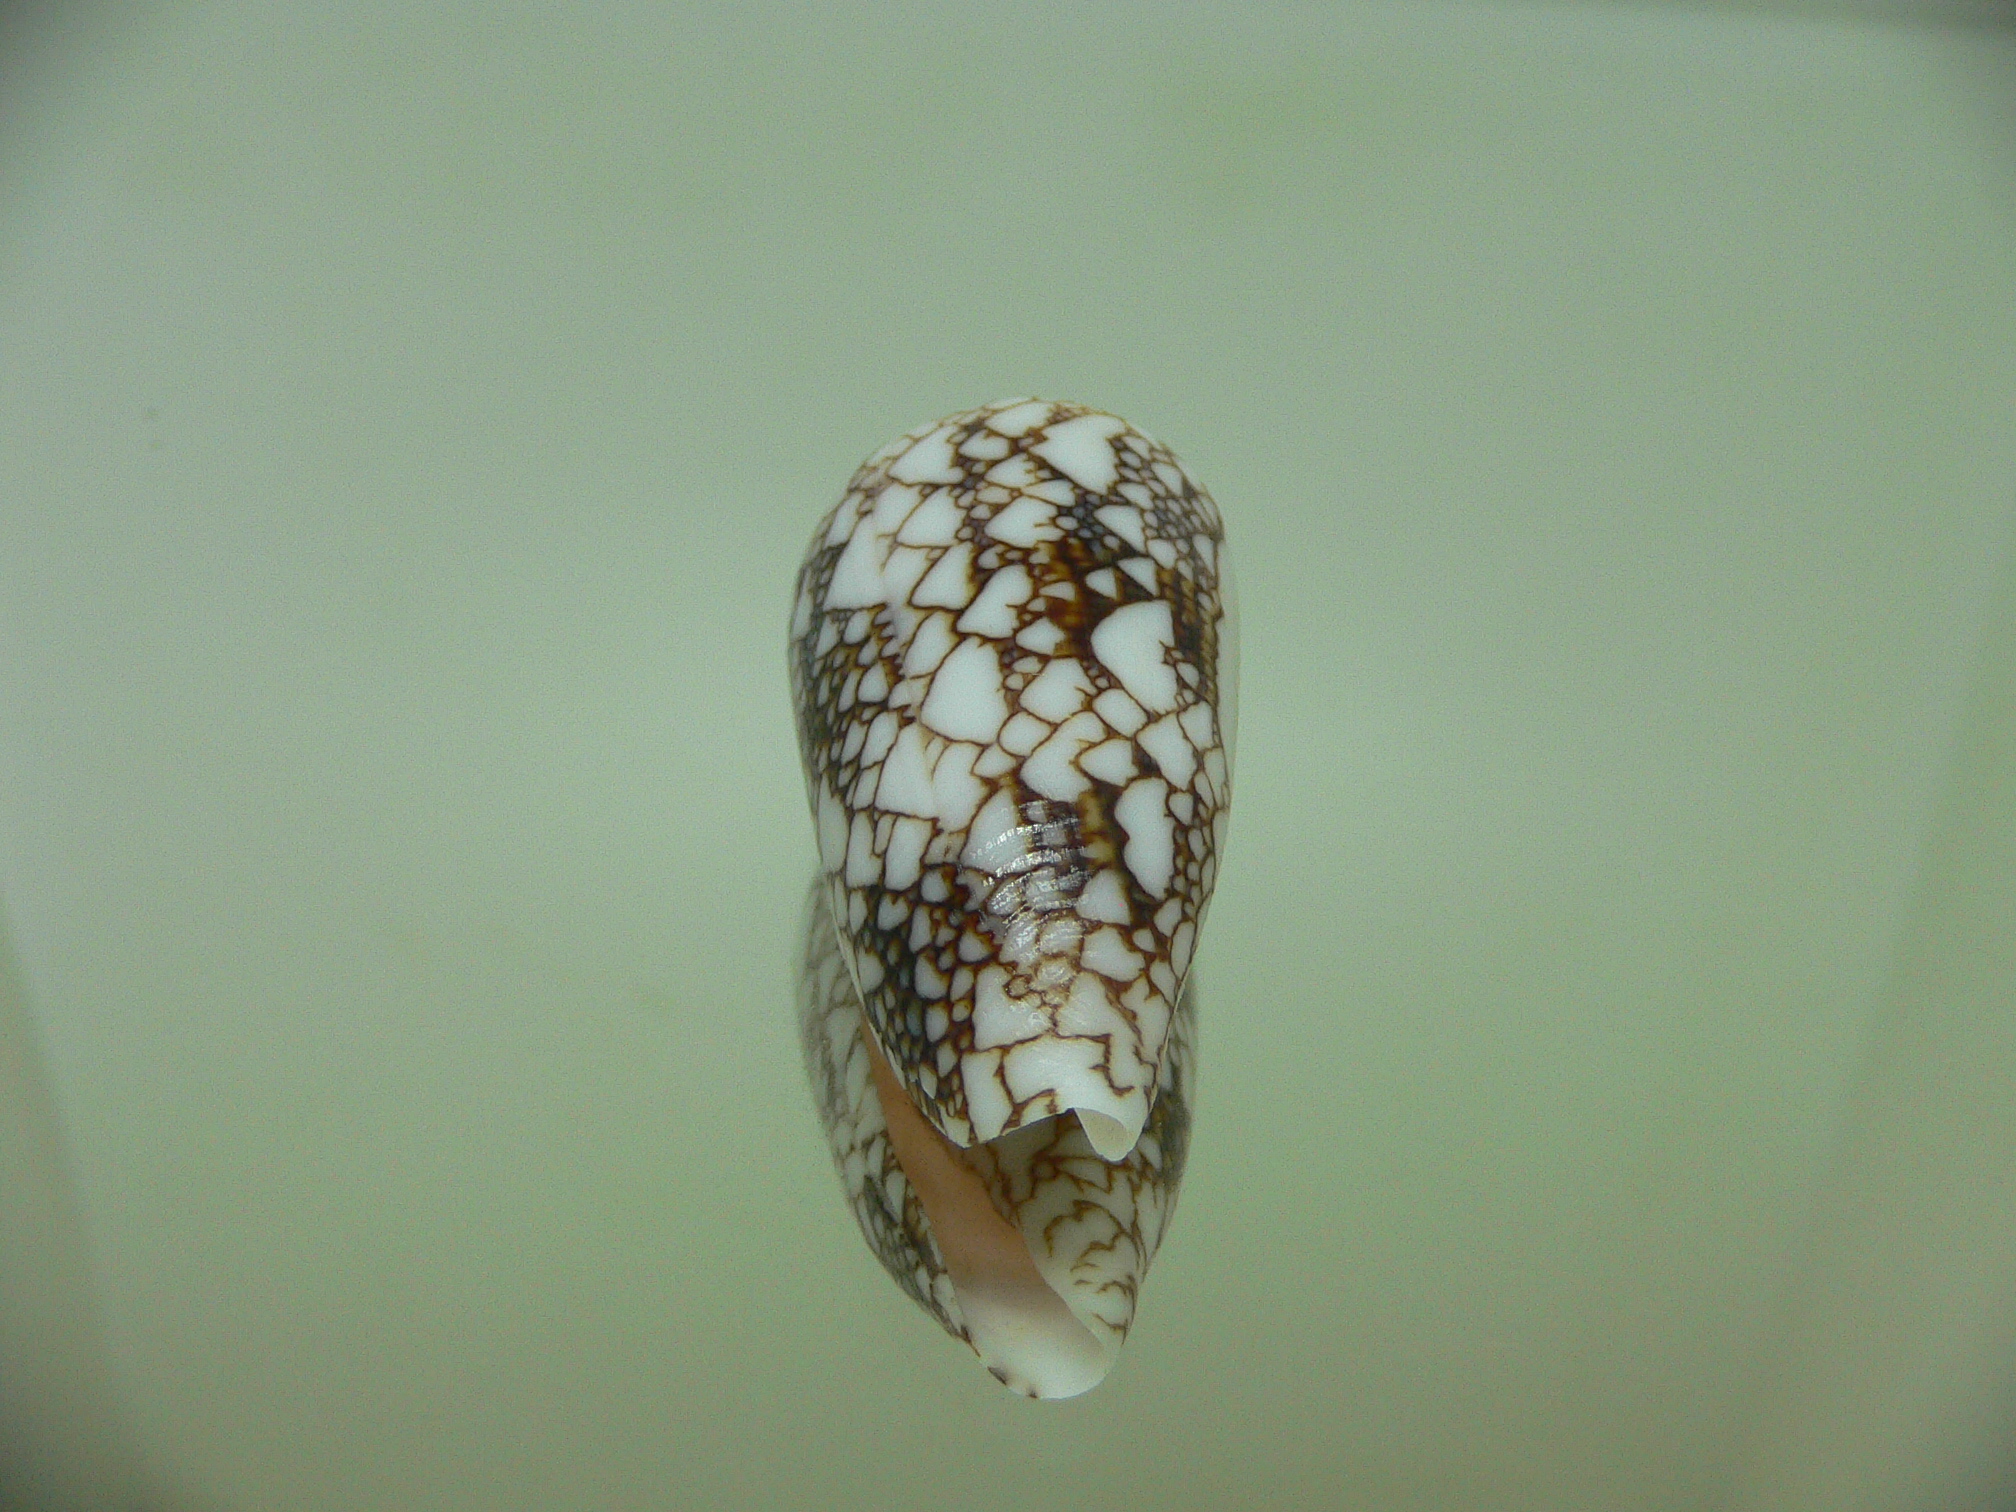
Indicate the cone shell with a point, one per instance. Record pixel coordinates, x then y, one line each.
1013 662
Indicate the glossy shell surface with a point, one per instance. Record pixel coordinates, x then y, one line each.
1013 665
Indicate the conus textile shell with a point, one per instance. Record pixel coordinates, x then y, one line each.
1013 661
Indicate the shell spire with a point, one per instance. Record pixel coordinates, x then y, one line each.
1013 664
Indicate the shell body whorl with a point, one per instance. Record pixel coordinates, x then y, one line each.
1013 668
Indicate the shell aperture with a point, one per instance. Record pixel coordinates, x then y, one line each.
1013 662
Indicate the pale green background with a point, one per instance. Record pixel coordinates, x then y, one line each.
410 419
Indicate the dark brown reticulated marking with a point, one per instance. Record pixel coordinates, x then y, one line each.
974 505
1099 1222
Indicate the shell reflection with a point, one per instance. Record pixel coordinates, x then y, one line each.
1013 662
1047 1243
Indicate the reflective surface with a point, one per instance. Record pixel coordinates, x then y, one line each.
410 421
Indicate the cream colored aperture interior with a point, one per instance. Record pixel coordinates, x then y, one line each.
1022 1329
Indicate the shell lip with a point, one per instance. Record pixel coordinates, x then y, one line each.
1113 1138
1021 1325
